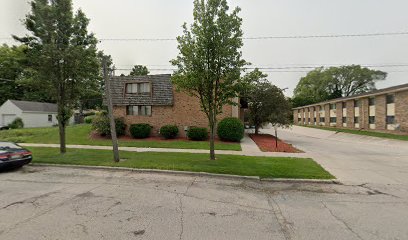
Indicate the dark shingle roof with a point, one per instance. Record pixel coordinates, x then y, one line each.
162 91
367 94
27 106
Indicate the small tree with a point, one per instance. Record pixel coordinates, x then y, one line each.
266 102
139 70
209 62
62 53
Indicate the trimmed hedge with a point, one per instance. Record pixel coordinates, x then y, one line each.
197 134
101 125
16 123
141 130
169 131
230 129
88 119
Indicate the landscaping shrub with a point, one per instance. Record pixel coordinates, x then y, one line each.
88 119
16 123
197 134
101 125
169 131
230 129
141 130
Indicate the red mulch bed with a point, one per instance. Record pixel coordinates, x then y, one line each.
96 136
267 143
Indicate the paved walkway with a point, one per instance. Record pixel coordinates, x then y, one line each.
353 158
249 148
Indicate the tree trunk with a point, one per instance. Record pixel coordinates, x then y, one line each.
256 129
61 127
212 136
276 138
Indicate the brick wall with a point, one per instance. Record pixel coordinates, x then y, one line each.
306 116
350 113
184 112
317 108
380 112
339 114
364 113
401 110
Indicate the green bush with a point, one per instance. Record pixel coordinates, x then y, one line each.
169 131
88 119
230 129
197 134
141 130
101 125
16 123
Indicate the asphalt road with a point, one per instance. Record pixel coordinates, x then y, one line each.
64 203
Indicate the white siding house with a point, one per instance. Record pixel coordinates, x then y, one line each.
33 114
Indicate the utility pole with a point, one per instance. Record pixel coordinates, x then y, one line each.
110 113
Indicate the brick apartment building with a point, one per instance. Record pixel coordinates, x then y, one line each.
153 99
384 109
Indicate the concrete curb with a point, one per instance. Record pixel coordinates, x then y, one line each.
189 173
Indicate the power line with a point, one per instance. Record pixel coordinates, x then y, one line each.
379 34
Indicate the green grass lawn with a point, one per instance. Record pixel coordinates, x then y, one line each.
362 132
275 167
80 135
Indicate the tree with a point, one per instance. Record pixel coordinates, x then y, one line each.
139 70
209 62
266 102
63 54
12 60
323 84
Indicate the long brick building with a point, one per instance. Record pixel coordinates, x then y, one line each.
153 99
384 109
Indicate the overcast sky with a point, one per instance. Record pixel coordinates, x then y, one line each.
163 19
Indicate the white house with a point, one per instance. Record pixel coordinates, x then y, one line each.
34 114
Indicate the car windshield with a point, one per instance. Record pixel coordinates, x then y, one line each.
8 145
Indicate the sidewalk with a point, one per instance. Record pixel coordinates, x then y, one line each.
249 148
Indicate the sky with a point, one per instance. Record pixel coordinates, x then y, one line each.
124 19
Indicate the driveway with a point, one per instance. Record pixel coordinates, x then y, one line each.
352 158
67 203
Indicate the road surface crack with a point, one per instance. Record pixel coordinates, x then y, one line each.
342 221
285 225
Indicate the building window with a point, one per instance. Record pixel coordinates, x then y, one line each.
138 88
371 101
344 119
299 120
357 103
139 110
322 108
322 119
333 120
390 98
356 120
344 104
314 119
390 119
332 106
308 120
371 120
49 118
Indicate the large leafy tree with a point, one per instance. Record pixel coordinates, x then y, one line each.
12 60
139 70
266 102
63 54
210 60
328 83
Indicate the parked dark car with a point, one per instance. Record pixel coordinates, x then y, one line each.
13 156
4 127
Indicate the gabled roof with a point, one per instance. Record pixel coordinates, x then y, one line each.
162 90
392 89
27 106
